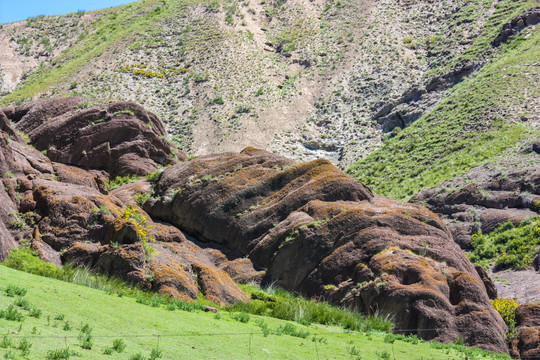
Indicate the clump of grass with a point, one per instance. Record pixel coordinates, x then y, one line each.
118 345
241 316
6 342
58 354
14 290
85 337
281 304
121 180
12 314
24 345
22 303
290 329
35 312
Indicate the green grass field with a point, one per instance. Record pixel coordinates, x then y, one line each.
155 332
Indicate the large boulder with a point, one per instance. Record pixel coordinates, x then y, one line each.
121 138
319 232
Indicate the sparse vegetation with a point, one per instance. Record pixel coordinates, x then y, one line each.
121 180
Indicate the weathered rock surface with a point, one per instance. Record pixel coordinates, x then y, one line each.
121 138
527 344
258 217
70 216
486 197
313 228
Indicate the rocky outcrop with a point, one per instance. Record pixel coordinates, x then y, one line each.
70 216
513 27
527 342
317 231
250 216
486 197
121 138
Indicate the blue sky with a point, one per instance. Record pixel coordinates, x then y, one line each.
15 10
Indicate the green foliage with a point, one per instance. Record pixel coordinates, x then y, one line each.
118 345
155 354
14 290
58 354
24 345
290 329
155 176
141 198
241 316
12 314
6 342
508 245
121 180
218 100
85 337
280 304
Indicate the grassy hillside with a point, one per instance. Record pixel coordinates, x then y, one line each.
226 74
43 318
481 119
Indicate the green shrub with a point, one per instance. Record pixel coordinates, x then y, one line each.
35 312
59 354
12 314
6 342
241 316
22 302
85 337
508 246
121 180
155 354
24 346
14 290
290 329
118 345
155 176
141 198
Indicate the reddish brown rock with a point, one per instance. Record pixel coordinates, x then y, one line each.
313 228
172 279
121 138
217 286
528 331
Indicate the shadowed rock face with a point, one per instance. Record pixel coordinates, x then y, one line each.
258 217
317 231
121 138
527 342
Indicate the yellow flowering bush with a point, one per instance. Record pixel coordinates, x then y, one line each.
507 309
133 215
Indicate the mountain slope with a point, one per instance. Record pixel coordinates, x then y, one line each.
485 118
225 74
